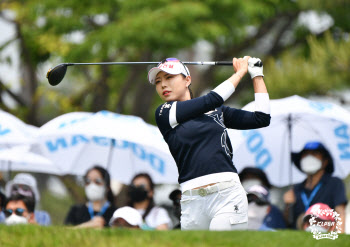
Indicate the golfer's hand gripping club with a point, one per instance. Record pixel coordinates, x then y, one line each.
255 67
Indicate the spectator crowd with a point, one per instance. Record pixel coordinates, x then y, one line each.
319 192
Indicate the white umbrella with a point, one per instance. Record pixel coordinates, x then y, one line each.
14 131
20 158
123 144
294 121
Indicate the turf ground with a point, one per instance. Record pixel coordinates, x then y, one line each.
63 236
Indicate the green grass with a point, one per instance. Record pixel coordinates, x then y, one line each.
64 236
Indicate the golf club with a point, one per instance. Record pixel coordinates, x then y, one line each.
56 74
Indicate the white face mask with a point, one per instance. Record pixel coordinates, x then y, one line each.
14 219
95 192
310 164
316 228
250 182
256 215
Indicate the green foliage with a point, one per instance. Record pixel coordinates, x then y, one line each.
295 60
338 9
56 206
324 70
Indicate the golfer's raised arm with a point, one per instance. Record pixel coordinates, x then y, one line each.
240 66
182 111
262 101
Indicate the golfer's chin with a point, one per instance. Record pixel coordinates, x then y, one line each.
170 97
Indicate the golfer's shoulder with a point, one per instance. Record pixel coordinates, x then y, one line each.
163 109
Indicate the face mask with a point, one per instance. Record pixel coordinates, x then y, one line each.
316 228
256 215
95 192
310 164
250 182
138 194
15 220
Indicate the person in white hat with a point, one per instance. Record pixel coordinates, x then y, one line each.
126 217
25 184
262 215
195 130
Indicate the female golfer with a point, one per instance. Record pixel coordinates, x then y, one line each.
195 130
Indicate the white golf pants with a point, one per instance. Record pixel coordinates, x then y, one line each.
223 210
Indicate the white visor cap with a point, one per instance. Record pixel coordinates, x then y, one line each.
129 214
171 66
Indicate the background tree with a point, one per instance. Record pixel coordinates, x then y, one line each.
297 59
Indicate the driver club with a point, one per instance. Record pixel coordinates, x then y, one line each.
56 74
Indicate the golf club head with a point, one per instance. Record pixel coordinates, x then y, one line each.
56 74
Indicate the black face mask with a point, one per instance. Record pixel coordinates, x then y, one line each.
137 194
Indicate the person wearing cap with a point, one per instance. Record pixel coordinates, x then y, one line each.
250 176
25 184
195 131
262 215
126 217
319 186
323 216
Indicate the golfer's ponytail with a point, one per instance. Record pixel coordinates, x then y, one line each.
191 93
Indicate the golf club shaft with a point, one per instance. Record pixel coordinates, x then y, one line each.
57 73
135 63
